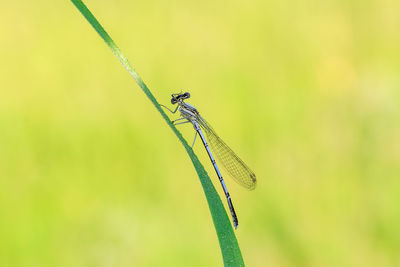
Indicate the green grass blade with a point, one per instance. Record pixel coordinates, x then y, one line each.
227 240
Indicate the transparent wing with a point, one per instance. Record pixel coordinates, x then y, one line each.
231 162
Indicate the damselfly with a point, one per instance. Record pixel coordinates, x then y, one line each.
239 171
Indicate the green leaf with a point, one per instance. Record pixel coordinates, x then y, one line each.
227 240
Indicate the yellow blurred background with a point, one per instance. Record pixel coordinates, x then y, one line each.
306 92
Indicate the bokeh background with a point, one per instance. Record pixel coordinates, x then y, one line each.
306 92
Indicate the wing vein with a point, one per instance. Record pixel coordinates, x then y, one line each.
237 169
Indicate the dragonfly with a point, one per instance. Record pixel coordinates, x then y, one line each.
237 169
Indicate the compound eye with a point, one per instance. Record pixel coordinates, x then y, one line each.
173 101
186 95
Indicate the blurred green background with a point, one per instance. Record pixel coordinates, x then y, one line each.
306 92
